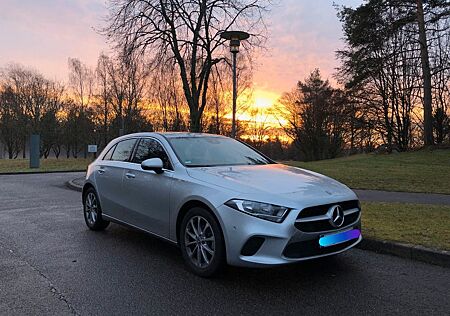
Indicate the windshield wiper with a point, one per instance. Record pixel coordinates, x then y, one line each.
199 166
255 161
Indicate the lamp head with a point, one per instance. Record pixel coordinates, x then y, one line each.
234 45
235 38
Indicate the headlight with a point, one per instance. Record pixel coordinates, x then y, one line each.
270 212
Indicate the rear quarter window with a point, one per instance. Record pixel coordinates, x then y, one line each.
123 149
109 153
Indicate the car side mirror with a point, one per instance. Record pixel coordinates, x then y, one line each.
154 164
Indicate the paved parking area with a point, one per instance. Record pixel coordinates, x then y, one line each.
50 263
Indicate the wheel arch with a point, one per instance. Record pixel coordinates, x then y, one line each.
86 186
196 203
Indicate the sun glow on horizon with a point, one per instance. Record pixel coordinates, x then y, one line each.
262 111
265 99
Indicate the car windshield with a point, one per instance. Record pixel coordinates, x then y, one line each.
215 151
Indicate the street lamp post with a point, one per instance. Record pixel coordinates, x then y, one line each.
235 38
122 125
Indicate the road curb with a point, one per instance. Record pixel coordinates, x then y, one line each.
412 252
74 186
39 172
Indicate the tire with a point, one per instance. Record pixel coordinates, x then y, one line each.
203 250
92 211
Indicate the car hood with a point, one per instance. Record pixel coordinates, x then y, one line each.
272 179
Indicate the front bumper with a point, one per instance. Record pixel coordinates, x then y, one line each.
282 242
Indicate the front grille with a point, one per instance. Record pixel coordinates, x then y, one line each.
314 219
311 248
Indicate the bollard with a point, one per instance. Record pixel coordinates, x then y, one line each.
34 151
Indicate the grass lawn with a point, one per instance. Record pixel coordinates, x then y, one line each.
50 164
426 225
420 171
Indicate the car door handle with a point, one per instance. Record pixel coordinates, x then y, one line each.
101 171
130 175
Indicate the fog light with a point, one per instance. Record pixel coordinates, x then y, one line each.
252 245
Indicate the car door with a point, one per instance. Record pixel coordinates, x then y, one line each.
109 177
148 193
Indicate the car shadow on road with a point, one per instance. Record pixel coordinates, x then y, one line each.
142 248
145 269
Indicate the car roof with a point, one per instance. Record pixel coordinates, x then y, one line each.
187 134
173 134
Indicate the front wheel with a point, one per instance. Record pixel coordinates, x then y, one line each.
201 242
92 211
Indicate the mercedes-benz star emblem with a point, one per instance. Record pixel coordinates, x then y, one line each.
336 216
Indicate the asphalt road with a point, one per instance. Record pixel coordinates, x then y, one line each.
51 264
403 197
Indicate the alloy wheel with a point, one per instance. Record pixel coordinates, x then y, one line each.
91 208
200 242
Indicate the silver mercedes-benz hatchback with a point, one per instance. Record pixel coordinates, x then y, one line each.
219 200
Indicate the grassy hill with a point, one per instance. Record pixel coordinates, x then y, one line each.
420 171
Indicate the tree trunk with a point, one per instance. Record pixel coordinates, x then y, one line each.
105 125
217 118
426 76
388 124
195 118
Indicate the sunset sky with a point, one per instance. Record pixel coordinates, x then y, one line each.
304 34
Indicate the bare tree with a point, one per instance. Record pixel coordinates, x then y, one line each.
440 65
50 123
103 94
426 75
258 128
36 96
127 79
82 80
187 32
220 100
12 122
166 93
137 74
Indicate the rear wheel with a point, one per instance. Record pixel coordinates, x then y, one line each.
92 211
201 242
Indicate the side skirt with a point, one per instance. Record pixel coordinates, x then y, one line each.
118 221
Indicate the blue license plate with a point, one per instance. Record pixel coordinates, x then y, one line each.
330 240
